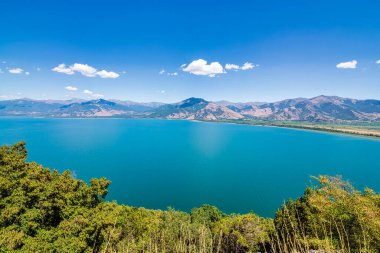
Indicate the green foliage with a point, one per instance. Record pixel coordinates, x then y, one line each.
42 210
207 215
331 216
243 233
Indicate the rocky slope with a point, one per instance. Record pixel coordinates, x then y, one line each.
196 109
321 108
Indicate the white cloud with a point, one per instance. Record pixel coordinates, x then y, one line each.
27 73
88 92
229 66
61 68
85 70
347 65
247 66
378 61
200 67
162 91
107 74
163 71
71 88
16 71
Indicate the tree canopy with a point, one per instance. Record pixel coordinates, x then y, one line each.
42 210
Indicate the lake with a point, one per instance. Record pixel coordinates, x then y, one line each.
183 164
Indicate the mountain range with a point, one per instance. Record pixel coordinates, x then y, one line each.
317 109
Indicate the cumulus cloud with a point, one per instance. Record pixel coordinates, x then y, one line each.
229 66
245 66
200 67
88 92
347 65
61 68
71 88
16 71
107 74
173 74
85 70
162 71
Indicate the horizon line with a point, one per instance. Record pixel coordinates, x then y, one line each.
215 101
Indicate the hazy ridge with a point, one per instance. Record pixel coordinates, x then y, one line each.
317 109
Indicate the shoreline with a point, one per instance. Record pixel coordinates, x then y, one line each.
333 129
358 132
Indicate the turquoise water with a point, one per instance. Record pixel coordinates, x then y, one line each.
183 164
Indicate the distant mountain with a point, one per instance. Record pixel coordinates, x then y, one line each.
238 105
138 106
27 107
318 109
103 108
77 108
321 108
196 109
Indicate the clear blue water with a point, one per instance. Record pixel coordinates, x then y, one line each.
183 164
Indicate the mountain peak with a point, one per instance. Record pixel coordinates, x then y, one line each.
192 101
327 99
99 101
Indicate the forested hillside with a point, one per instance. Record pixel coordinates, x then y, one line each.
42 210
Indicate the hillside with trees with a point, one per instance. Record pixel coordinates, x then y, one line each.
42 210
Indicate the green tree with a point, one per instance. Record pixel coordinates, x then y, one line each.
42 210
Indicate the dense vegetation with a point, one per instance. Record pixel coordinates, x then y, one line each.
45 211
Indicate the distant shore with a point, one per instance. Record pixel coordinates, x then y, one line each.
362 129
356 130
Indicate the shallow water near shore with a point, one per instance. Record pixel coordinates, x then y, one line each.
183 164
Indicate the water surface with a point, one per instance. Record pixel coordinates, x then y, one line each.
183 164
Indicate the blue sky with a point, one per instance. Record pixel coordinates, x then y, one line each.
289 48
